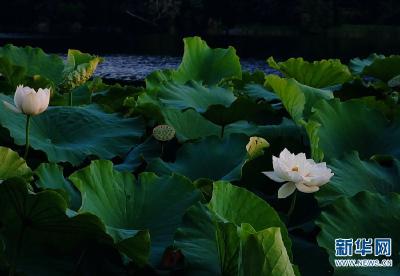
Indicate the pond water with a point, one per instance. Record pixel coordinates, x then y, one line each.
137 67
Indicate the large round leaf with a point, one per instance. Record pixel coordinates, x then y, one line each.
70 134
193 95
11 165
34 61
342 127
212 157
217 243
298 99
183 122
239 205
122 202
362 216
384 68
149 149
353 175
201 63
39 237
50 176
318 74
357 65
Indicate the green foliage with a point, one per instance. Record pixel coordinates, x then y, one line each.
338 128
78 69
11 165
157 201
318 74
353 175
210 66
362 216
298 99
226 238
70 134
123 202
30 62
211 157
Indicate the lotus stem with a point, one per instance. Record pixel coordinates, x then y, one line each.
222 131
28 122
70 98
292 205
162 150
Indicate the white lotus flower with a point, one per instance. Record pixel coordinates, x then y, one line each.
28 101
299 173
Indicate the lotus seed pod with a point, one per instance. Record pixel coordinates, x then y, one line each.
164 133
256 146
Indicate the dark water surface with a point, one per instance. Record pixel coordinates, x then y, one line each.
137 67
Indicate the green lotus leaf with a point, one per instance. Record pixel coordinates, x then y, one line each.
184 121
50 176
203 64
357 65
242 109
298 99
238 205
78 69
194 95
122 202
40 239
13 74
147 150
197 238
264 253
353 175
362 217
212 157
113 98
12 165
157 78
70 134
318 74
383 68
135 244
258 91
337 128
34 62
214 245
